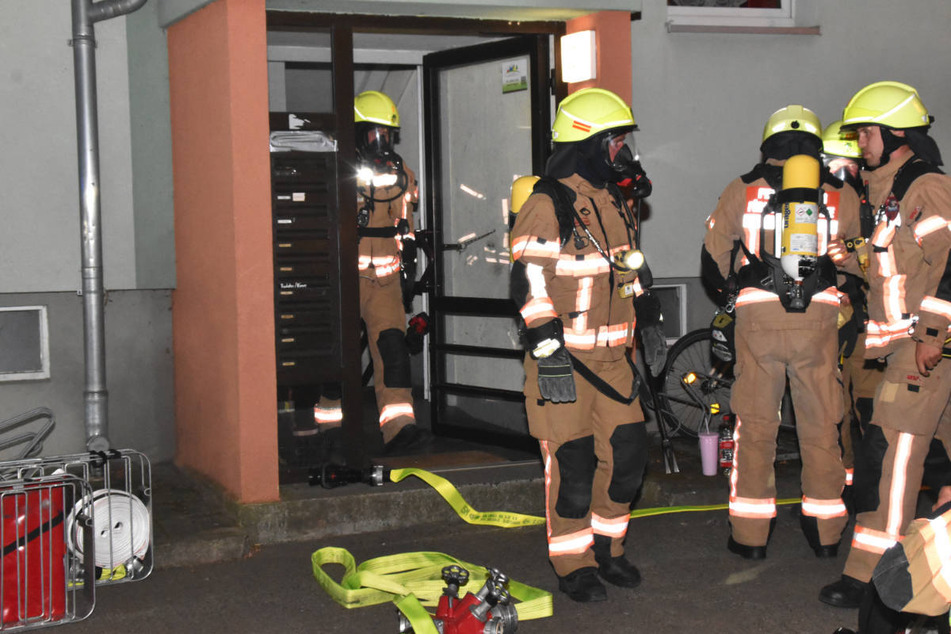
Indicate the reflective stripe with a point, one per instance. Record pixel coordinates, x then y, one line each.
611 336
582 304
539 308
395 410
546 456
823 509
752 295
893 297
615 527
753 507
849 475
936 306
572 544
323 415
533 246
580 341
896 492
828 296
929 226
384 265
577 266
884 234
879 334
872 541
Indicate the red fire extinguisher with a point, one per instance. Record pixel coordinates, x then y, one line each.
726 445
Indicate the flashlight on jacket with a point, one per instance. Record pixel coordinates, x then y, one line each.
630 260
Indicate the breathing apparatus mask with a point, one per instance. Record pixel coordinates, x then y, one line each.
378 166
845 168
595 162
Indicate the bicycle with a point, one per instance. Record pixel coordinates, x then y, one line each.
693 373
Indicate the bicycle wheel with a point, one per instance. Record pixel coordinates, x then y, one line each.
713 383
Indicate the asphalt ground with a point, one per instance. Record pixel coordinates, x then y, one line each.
691 583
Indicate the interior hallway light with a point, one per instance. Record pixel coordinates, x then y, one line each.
578 57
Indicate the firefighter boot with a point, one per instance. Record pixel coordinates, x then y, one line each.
847 592
617 571
582 585
744 551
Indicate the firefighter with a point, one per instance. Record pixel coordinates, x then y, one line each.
860 376
784 328
578 300
909 304
387 266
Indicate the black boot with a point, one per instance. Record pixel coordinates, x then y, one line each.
744 551
617 571
411 440
582 585
847 592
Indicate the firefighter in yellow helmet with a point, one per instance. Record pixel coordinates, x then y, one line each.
581 308
786 314
860 376
909 306
387 266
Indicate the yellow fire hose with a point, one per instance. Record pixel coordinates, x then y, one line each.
414 580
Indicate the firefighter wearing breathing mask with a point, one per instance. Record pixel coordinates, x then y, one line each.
909 306
583 300
784 285
387 267
860 376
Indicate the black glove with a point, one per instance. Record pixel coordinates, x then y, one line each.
556 382
546 345
650 330
408 274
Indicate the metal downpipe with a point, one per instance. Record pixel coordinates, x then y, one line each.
85 14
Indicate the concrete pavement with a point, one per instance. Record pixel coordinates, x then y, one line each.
214 573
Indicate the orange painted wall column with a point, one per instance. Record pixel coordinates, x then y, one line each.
613 35
223 306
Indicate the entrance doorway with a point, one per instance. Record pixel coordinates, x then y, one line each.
475 114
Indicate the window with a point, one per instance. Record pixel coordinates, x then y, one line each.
730 13
24 343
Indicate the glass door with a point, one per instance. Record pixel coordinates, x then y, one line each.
487 109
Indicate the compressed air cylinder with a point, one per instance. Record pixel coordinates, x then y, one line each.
800 239
521 190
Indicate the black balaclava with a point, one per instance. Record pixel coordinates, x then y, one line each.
923 145
782 145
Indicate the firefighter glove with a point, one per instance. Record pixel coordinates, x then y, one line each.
650 329
408 273
556 381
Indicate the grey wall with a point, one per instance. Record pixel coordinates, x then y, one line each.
40 241
139 372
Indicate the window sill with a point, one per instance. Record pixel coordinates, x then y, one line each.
673 27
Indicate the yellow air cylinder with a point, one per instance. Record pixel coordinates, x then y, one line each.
521 190
800 239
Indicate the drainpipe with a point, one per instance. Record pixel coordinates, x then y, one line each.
85 14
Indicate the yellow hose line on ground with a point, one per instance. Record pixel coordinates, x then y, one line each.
506 519
411 581
414 580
